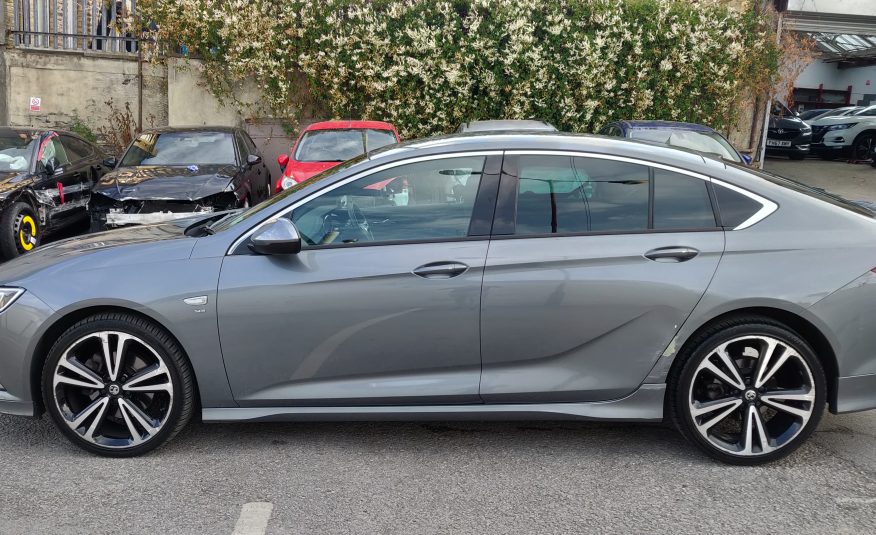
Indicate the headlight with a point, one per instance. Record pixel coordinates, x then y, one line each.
806 129
287 182
8 296
841 126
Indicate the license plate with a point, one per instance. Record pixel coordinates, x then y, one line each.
777 143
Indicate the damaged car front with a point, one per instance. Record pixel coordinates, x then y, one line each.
172 174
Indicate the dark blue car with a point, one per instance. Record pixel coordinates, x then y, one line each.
683 135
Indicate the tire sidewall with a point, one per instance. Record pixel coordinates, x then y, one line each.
703 349
11 241
89 327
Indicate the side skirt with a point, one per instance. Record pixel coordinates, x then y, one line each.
643 405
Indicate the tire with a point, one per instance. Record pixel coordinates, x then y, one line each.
716 416
108 406
862 148
795 156
20 230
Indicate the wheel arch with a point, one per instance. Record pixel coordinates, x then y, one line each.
802 326
64 322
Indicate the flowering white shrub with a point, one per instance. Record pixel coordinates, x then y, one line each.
428 65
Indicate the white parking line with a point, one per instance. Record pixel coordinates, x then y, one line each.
253 518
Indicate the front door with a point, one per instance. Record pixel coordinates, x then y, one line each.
594 268
381 306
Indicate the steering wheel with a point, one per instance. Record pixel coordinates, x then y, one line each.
356 219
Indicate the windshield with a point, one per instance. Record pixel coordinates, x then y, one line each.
181 148
707 142
16 150
237 218
340 145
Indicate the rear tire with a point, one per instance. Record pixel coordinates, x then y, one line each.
20 230
747 391
118 385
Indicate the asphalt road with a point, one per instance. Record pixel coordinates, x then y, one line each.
529 477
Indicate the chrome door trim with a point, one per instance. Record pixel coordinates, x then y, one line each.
353 177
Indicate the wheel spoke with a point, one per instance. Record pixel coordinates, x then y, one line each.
129 410
135 383
773 402
765 368
79 419
753 428
789 395
85 377
730 407
699 409
736 380
112 358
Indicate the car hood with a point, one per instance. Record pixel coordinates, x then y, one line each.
179 183
12 180
842 119
301 171
143 244
786 122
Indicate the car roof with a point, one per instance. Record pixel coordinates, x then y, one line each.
349 124
507 124
665 125
548 141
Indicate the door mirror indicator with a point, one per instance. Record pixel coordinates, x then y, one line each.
276 237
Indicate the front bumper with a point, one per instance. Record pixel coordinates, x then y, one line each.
21 325
121 219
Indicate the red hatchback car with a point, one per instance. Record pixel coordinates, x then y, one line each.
324 145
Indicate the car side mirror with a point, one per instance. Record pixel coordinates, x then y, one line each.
283 159
253 159
746 159
110 162
276 237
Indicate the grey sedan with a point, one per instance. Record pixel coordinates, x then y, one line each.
476 276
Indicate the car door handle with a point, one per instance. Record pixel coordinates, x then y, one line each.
440 270
671 254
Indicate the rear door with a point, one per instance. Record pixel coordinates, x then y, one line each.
593 266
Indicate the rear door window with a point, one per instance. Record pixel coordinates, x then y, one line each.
681 202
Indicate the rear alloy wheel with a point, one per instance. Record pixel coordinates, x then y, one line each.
115 387
862 149
750 394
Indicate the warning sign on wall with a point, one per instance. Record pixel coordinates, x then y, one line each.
35 103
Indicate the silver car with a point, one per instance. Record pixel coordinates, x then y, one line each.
506 276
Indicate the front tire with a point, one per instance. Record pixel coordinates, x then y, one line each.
20 230
749 391
117 385
795 156
862 148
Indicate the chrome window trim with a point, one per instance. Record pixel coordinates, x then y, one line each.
767 206
600 156
351 178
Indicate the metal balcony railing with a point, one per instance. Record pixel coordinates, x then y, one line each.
98 25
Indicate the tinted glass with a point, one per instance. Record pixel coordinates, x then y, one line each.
77 149
181 148
340 145
16 151
241 148
681 201
250 145
561 194
417 201
53 149
734 207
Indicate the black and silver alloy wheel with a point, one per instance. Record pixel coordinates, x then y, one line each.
750 394
115 387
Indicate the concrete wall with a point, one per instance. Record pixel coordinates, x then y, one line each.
78 85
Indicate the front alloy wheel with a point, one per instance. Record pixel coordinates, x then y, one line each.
117 391
751 394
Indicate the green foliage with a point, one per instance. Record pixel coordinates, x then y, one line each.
428 65
77 126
